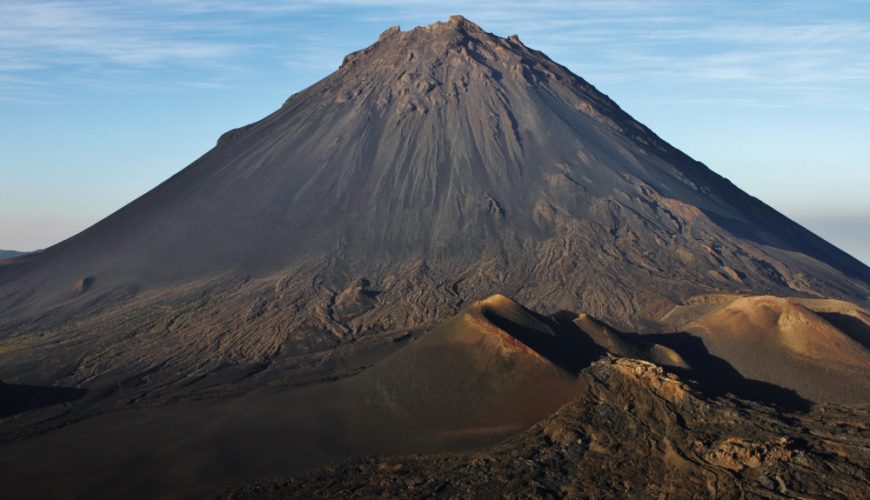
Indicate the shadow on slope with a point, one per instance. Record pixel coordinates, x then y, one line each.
851 326
15 398
680 353
769 227
568 348
717 377
806 345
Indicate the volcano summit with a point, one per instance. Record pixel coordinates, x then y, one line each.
437 167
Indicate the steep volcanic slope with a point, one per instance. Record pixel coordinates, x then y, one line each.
439 165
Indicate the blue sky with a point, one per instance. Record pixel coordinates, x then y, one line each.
102 100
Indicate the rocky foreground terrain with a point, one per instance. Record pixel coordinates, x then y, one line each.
636 431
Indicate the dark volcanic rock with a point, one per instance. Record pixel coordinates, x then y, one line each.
636 432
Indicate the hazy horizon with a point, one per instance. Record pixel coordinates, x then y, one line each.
105 100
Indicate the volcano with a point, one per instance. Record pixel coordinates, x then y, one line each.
437 167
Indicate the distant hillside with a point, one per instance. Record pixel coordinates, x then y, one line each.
8 254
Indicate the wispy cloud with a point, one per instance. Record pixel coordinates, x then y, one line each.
42 33
48 41
771 47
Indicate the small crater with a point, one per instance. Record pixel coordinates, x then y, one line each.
83 285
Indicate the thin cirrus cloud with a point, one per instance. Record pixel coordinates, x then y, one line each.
34 29
635 39
44 42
